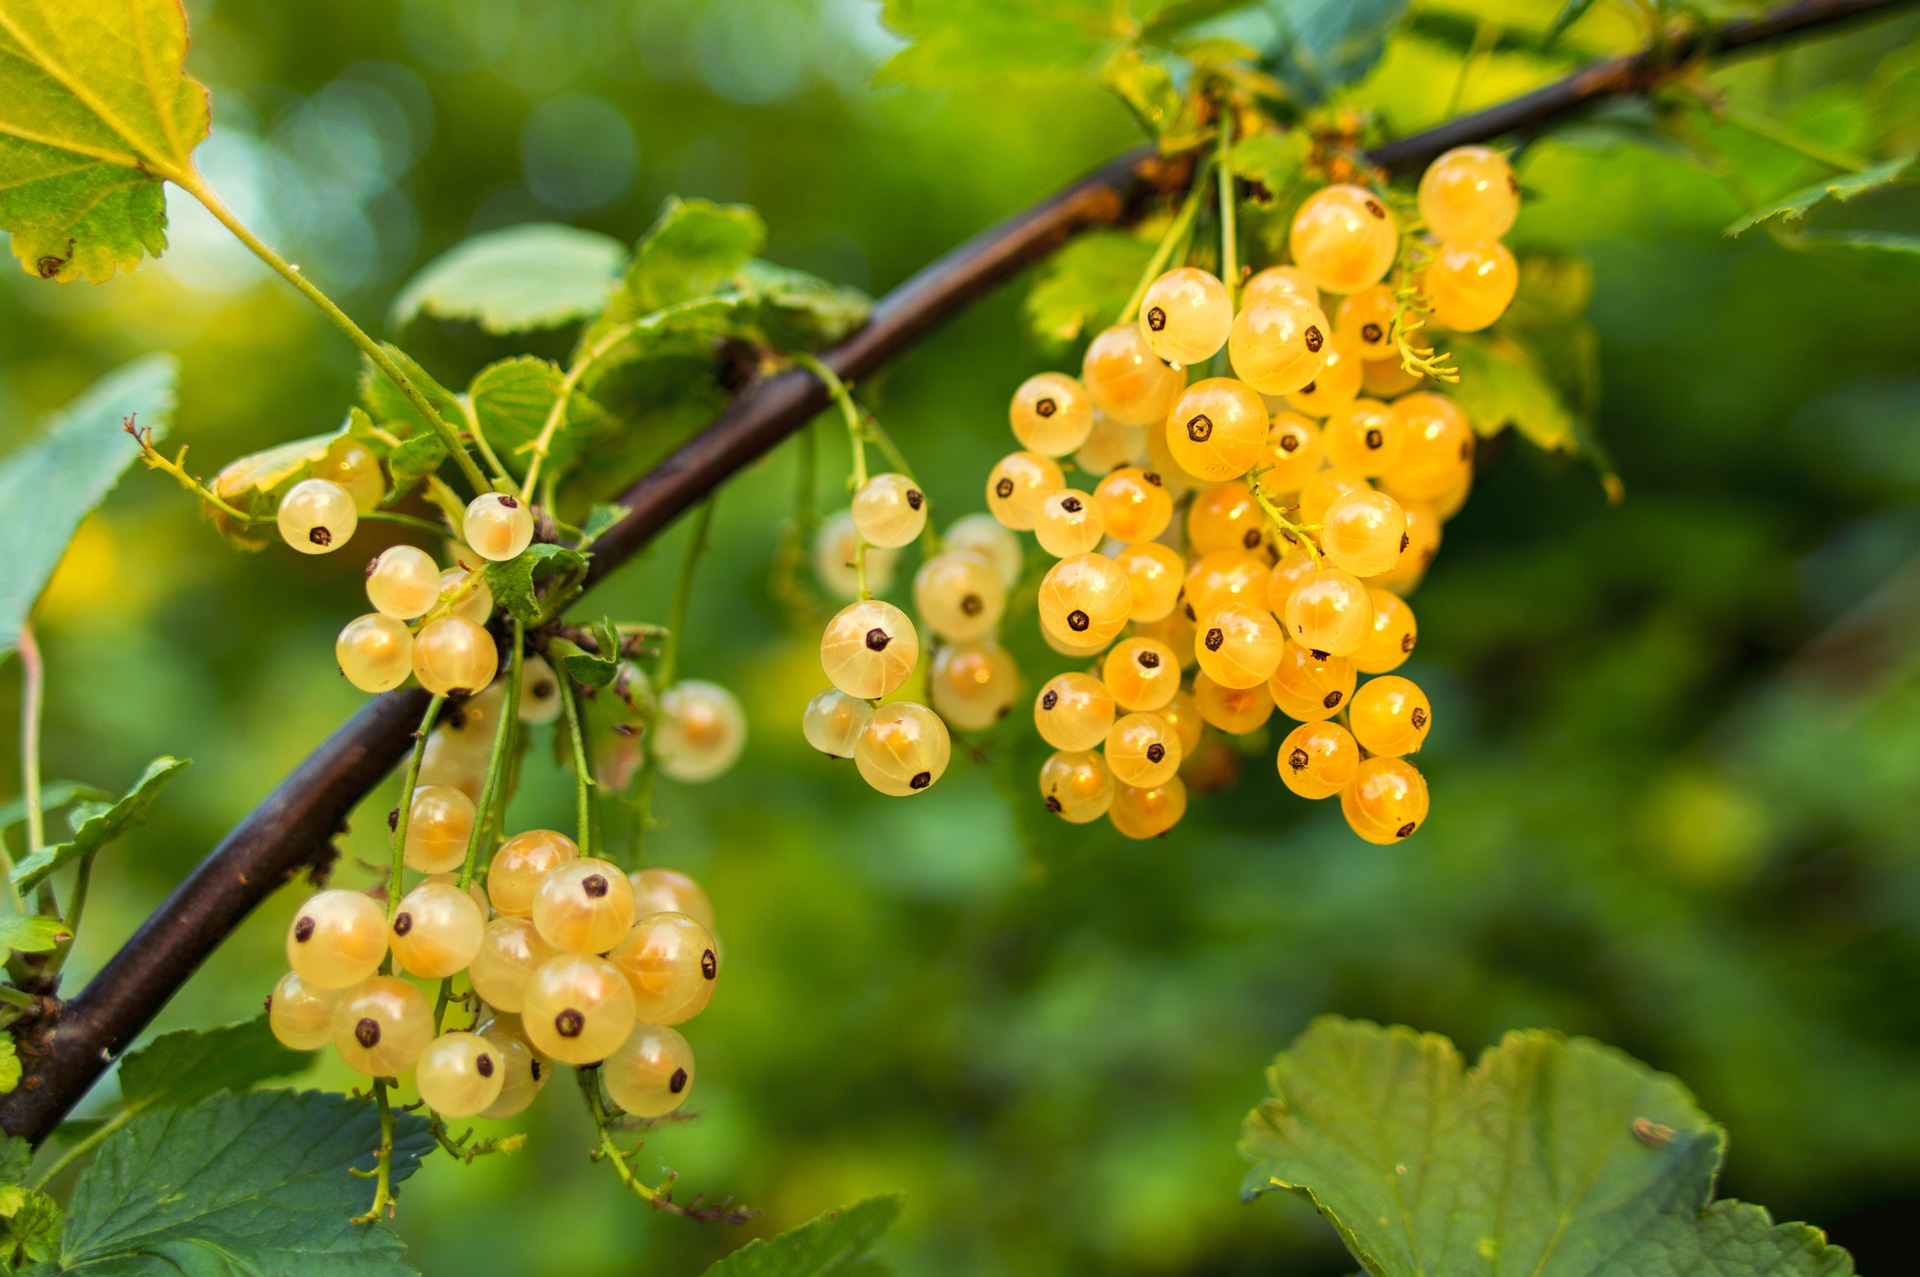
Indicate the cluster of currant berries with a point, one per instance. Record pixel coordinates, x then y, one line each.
1315 477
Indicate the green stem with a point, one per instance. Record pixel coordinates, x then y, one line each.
497 760
583 781
406 521
1483 41
500 476
383 1160
857 436
404 807
83 1146
589 1079
76 906
15 998
1229 239
33 682
1177 231
557 415
1762 125
666 666
193 184
1298 533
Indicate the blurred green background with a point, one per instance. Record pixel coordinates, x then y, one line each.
1676 769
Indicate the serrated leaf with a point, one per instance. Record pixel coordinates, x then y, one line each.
95 110
582 666
512 582
54 795
20 933
414 458
1145 86
1501 385
10 1075
798 311
54 480
1795 207
100 830
386 405
241 1183
1326 45
511 400
1891 258
602 516
691 250
533 276
1273 161
837 1244
1550 1157
32 1225
1084 286
189 1064
956 43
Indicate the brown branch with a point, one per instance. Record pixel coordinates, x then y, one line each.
293 827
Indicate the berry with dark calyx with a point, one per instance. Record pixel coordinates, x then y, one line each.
1239 644
1280 346
1074 712
1390 637
1217 429
526 1073
651 1074
337 939
869 649
381 1027
317 516
1070 523
436 931
1363 439
1318 760
1135 505
1365 322
960 595
1329 611
539 692
1077 786
1308 686
904 749
460 1074
1293 453
1335 386
577 1008
1344 238
520 865
1051 414
1126 380
973 685
1018 485
454 655
1391 716
673 963
1362 532
583 906
498 526
1143 750
1185 315
1086 599
1225 517
1142 673
1386 801
889 511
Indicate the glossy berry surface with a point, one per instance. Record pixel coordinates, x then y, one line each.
520 864
1293 454
403 582
1234 710
1345 238
352 465
1437 448
1295 566
1073 712
498 526
1318 760
577 1008
1364 321
1363 532
833 721
1225 517
317 516
834 548
1077 787
1471 284
510 949
1142 673
1147 813
1051 414
1386 801
584 906
1307 687
1217 429
1279 346
1423 543
1156 574
904 749
889 511
1086 599
436 931
1363 438
1135 505
701 730
381 1027
1183 716
1276 281
1231 576
1143 750
1185 315
1336 385
1070 523
662 890
1469 194
651 1074
1127 381
471 589
986 536
1018 486
1322 489
1391 716
960 595
525 1072
869 649
460 1074
1329 611
673 964
337 939
1390 636
439 823
1110 446
454 655
1239 644
300 1015
375 652
973 685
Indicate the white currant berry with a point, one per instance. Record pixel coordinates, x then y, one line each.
375 652
352 465
510 950
1070 523
539 692
973 685
584 906
833 558
460 1074
498 526
317 516
439 824
521 863
403 582
869 649
300 1014
904 749
833 722
987 537
577 1008
435 931
454 655
960 595
381 1027
700 732
672 961
526 1072
652 1073
476 603
1051 414
661 890
889 511
337 939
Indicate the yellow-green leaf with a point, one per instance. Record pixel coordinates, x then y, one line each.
1501 385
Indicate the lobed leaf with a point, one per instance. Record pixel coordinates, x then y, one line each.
513 582
20 933
1325 45
99 830
1145 86
511 400
1272 161
798 311
954 43
837 1244
582 666
1795 207
16 1158
1501 384
1889 257
54 795
527 277
190 1064
693 249
1084 286
33 1224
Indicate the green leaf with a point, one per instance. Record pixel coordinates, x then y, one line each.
100 830
1501 385
33 1225
54 795
798 311
602 516
1146 87
691 250
582 666
190 1064
9 1078
1273 161
16 1157
837 1244
512 582
1795 207
250 1183
414 458
52 482
386 405
1570 12
1550 1157
1887 257
1326 45
511 400
538 275
95 109
954 43
22 934
1083 287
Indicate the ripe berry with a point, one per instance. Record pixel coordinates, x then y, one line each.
539 692
584 906
1293 453
460 1074
889 511
986 536
352 465
317 516
1077 787
1235 710
1157 574
510 950
301 1015
1175 630
1073 712
454 655
439 822
381 1027
1437 448
1280 346
1239 644
1334 386
1365 322
375 652
469 722
476 604
700 732
1218 579
1052 414
1363 532
1225 517
833 722
1183 716
1309 687
1391 716
1217 429
1390 637
1294 567
1320 491
672 962
1080 652
869 649
1018 485
1387 379
1423 543
1126 379
1329 611
445 763
904 749
1161 464
498 526
525 1072
337 939
1143 750
435 931
1317 760
1135 505
577 1008
1185 315
1070 523
1471 284
960 595
1345 238
520 865
1363 439
1147 813
651 1074
670 891
1142 673
973 685
1469 194
1086 599
1275 281
833 550
1111 446
1386 800
403 582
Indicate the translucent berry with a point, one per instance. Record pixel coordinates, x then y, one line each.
904 749
1448 503
1143 750
833 722
1135 505
1074 712
1185 315
301 1015
520 865
651 1074
833 558
1157 574
403 582
1386 800
469 723
584 906
352 465
337 939
1469 194
1423 543
701 730
1335 386
869 649
1052 414
525 1072
1365 322
1317 760
1279 346
973 685
660 890
317 516
1148 813
1363 532
1086 599
1175 630
1391 716
1387 379
889 511
1018 486
1239 644
1214 766
1077 787
1345 238
435 931
498 526
439 822
1070 523
1161 464
1111 446
1329 611
1234 710
539 692
577 1008
1218 579
1309 687
986 536
1363 438
1127 381
444 763
1436 450
1390 638
1294 567
1225 517
381 1027
510 949
672 962
1323 489
476 597
375 652
1471 284
1293 453
1183 715
454 655
960 595
1217 429
1142 673
1276 281
1075 650
460 1074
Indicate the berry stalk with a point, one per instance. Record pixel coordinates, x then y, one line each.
483 821
404 807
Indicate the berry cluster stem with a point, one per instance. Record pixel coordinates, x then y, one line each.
496 760
583 781
1176 231
383 1160
157 460
857 436
1229 240
898 460
1298 533
33 685
563 400
609 1150
404 807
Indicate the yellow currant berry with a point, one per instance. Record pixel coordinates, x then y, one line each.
1143 750
1471 284
1239 644
577 1008
1335 386
337 939
651 1074
986 536
1363 439
460 1074
973 685
1386 800
660 890
525 1071
375 652
1322 489
1183 715
1293 453
1157 574
1279 346
382 1026
1148 813
1329 611
1070 523
1275 281
1077 787
1318 760
1234 710
352 465
301 1014
701 731
510 950
1307 686
833 722
498 526
521 863
1390 637
1110 446
889 511
439 823
1142 673
1469 194
1185 315
1135 505
1365 322
835 547
1217 429
1052 414
454 655
583 906
471 588
1225 517
317 516
1294 567
1363 532
1345 238
1086 599
1391 716
904 749
1218 579
436 931
673 963
1018 487
1436 448
960 595
1126 380
869 649
403 582
1074 712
